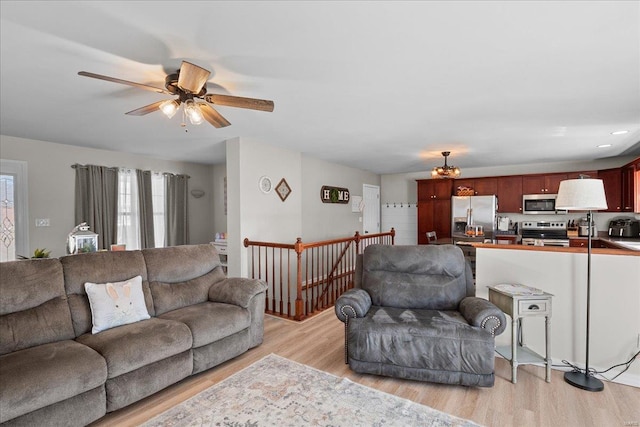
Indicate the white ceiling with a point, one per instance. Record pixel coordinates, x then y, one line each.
380 86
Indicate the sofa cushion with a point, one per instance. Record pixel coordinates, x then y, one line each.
180 263
33 305
426 276
172 296
211 321
180 276
116 304
99 267
39 376
133 386
129 347
421 339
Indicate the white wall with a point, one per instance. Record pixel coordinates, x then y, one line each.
615 298
52 187
253 214
264 217
330 220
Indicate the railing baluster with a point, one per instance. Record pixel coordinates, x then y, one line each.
329 271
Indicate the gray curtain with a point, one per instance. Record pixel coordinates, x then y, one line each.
97 201
145 204
176 215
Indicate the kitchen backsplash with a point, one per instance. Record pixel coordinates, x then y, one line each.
601 218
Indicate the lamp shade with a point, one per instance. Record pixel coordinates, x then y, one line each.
581 194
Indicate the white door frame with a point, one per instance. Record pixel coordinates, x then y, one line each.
21 202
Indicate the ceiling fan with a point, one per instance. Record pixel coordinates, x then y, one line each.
189 83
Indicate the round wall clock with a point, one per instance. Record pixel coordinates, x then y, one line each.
265 184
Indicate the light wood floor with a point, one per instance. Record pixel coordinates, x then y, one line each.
319 342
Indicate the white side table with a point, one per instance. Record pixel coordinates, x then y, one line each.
221 247
519 306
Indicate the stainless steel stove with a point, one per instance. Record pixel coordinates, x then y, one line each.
544 233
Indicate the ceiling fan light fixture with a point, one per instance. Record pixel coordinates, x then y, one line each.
169 107
445 171
193 112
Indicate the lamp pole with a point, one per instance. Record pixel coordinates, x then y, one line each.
579 379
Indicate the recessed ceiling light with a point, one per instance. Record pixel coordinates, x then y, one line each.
604 145
619 132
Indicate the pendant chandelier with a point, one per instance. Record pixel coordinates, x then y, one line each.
445 171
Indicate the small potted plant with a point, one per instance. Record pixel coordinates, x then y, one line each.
38 253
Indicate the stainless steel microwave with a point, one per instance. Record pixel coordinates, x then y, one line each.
540 204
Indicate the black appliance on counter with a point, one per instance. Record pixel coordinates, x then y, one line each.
624 227
544 233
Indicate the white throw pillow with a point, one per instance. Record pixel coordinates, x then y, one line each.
115 304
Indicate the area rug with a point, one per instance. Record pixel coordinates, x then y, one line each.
275 391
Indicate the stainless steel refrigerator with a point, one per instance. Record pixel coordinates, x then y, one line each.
473 210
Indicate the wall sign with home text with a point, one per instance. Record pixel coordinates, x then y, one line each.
334 194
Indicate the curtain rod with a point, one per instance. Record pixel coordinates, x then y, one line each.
77 165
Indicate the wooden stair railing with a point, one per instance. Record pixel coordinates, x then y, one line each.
322 271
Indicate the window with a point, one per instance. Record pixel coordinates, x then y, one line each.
14 216
128 212
157 193
129 228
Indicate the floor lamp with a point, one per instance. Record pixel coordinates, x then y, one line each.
583 194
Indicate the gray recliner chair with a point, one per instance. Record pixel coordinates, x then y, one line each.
413 314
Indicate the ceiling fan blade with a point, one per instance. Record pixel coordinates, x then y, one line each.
212 116
192 78
124 82
146 109
237 101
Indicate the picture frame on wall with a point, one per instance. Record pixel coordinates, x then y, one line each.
283 189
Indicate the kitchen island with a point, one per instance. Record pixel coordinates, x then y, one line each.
562 271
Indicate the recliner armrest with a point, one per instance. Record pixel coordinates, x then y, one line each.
236 290
353 303
484 314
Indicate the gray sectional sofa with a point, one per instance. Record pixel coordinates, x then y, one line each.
55 371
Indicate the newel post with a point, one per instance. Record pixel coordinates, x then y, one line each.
393 235
299 248
356 238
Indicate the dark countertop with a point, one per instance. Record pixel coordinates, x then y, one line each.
619 250
619 242
617 245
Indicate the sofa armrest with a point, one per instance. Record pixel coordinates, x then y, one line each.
236 290
484 314
353 303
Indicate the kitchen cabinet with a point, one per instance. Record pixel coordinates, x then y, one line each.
622 187
434 208
481 186
429 189
628 187
577 175
582 242
612 181
509 192
542 184
636 193
486 186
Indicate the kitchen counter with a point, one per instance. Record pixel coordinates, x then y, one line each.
615 295
622 248
614 245
617 242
